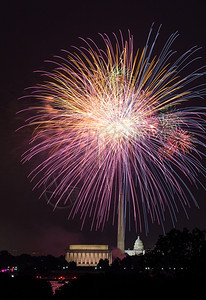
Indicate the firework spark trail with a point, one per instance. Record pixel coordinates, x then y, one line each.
108 120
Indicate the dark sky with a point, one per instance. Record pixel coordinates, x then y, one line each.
32 31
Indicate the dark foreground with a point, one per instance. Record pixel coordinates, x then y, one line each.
106 286
137 287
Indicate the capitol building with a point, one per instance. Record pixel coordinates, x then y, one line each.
138 248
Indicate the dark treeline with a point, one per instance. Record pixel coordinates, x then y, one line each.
31 265
175 267
177 251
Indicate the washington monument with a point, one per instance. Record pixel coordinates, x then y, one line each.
120 230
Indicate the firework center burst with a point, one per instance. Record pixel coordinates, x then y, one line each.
119 128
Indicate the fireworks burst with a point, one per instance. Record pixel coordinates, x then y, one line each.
108 120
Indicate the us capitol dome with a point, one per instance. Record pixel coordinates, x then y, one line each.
138 248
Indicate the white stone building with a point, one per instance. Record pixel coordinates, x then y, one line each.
138 248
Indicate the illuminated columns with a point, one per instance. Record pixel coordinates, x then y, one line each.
88 255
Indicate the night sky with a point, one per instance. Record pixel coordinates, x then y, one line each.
33 31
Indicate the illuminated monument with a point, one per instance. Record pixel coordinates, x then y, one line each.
120 229
138 248
88 255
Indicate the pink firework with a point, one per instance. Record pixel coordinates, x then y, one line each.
109 121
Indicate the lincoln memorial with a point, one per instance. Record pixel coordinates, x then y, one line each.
88 255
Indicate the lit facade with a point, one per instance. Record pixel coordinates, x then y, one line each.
138 248
88 255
